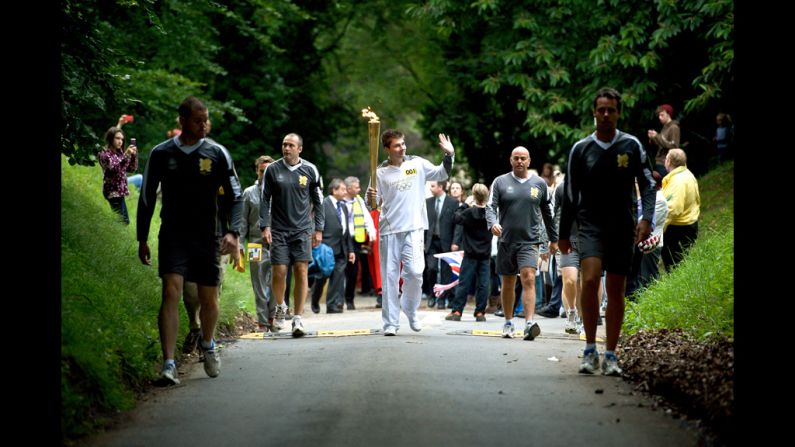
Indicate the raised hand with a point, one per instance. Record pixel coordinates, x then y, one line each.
446 144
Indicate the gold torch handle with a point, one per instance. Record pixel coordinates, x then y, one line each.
374 129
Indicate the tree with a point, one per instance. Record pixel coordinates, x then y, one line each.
385 59
135 58
528 69
255 63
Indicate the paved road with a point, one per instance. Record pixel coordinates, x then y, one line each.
431 388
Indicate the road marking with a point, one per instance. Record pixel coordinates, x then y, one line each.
313 334
484 333
251 336
344 333
598 338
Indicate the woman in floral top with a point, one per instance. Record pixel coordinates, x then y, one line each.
115 165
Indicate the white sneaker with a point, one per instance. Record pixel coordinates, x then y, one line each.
416 325
562 313
610 366
278 318
507 329
169 374
570 327
212 360
390 331
298 327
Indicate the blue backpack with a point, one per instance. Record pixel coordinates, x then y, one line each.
322 264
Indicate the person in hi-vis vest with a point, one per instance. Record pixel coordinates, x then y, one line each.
364 233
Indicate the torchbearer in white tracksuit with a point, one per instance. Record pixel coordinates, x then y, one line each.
400 193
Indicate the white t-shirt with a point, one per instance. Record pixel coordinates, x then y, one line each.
401 192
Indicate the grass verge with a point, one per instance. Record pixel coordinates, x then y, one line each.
698 295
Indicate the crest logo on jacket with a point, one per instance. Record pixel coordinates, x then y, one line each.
623 161
205 166
534 192
302 180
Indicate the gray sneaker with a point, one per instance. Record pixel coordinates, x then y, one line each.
507 329
278 318
169 375
610 366
590 362
415 325
532 331
212 360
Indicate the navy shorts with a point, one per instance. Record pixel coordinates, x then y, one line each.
291 246
614 246
197 261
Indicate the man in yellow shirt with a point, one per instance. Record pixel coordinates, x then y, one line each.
680 189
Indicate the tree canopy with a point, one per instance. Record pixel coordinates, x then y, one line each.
493 74
528 70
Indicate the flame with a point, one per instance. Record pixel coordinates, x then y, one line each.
368 113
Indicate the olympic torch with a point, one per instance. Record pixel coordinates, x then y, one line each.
374 129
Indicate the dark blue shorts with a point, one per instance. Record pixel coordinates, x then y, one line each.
197 261
615 246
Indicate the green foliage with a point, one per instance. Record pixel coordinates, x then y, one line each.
719 72
529 69
716 190
109 304
698 295
138 58
255 63
493 74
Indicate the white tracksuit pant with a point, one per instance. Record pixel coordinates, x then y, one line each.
408 247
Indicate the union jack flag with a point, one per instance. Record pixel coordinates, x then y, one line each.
453 258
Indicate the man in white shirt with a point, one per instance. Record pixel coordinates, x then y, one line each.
400 182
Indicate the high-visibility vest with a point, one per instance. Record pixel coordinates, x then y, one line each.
358 220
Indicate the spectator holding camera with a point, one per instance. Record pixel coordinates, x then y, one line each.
664 140
116 163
